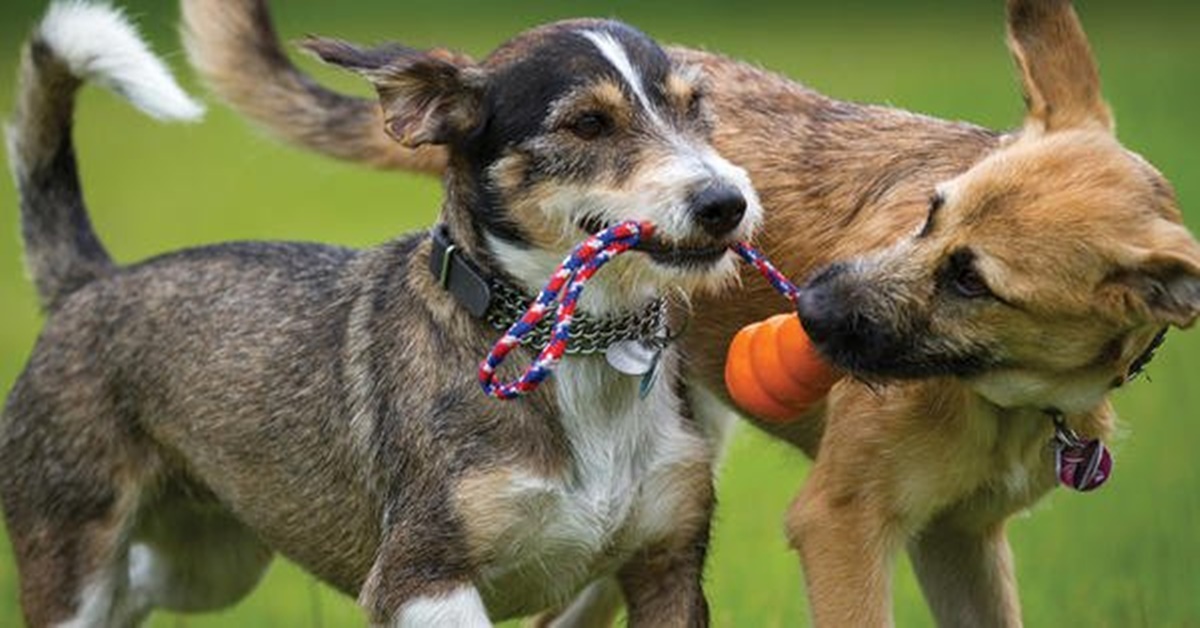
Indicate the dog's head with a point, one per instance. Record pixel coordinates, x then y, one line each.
563 130
1043 273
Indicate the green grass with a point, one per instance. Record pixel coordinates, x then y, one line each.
1128 555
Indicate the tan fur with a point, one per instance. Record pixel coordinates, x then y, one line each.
347 126
1080 238
603 95
660 586
1060 211
478 500
1062 87
681 91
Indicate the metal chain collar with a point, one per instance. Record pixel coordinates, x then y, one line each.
589 336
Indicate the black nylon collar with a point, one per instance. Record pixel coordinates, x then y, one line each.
457 275
1143 360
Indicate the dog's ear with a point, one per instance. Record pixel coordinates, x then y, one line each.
1059 76
428 97
1163 286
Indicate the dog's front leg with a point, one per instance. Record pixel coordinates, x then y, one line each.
457 607
663 587
440 605
662 581
966 573
422 580
846 543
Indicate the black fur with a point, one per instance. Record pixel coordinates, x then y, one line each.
61 247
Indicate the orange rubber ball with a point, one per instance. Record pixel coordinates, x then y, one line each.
773 371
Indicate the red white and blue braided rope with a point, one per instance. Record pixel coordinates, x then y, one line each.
755 257
567 282
573 273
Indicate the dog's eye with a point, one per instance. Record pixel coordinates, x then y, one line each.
960 276
695 105
969 284
935 203
590 125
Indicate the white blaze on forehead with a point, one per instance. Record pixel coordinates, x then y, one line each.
615 53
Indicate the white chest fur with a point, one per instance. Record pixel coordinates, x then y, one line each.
544 537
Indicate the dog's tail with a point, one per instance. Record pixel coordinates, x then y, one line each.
75 42
234 46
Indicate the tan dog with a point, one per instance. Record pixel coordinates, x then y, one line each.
984 283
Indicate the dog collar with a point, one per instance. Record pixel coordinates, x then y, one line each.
500 304
1139 364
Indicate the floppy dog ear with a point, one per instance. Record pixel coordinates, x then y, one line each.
428 97
1164 286
1059 76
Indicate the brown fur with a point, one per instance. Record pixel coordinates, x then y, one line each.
1078 240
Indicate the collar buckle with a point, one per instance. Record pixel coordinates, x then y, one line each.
444 275
457 275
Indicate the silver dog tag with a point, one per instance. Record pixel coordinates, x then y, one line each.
651 376
631 357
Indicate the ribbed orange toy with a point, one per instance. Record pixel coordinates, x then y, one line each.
773 371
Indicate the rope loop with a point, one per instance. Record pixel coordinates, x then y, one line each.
562 292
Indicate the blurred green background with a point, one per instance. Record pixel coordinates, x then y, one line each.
1128 555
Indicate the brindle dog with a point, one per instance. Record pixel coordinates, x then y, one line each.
183 418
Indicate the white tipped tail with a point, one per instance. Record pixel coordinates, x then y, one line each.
98 44
76 42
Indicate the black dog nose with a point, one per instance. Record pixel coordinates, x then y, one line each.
821 304
719 209
819 312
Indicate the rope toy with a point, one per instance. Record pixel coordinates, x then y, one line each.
572 274
772 369
567 282
755 258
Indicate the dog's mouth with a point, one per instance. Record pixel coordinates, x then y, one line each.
666 253
878 350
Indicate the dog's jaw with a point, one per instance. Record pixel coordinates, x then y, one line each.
628 283
1074 393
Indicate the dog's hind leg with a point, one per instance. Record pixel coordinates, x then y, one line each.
190 555
99 539
72 562
70 481
966 573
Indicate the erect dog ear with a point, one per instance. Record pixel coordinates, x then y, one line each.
1163 287
428 97
1059 76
